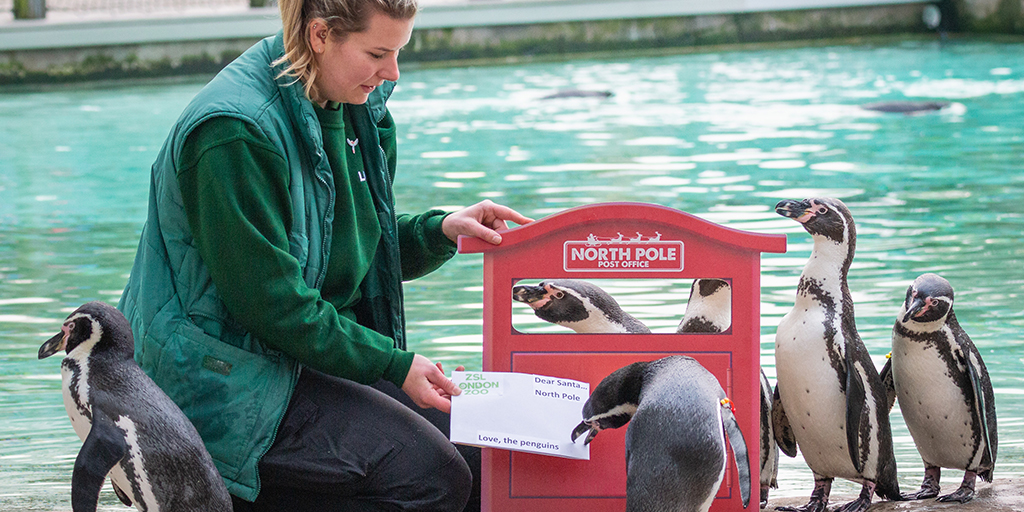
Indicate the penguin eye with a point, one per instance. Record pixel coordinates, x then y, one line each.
559 294
821 210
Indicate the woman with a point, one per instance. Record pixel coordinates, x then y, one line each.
266 294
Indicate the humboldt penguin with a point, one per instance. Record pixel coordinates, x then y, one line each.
769 447
906 107
578 305
679 422
132 431
577 93
943 388
709 310
829 390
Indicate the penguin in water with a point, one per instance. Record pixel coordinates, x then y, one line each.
709 310
679 421
830 393
944 389
578 305
131 431
578 93
906 107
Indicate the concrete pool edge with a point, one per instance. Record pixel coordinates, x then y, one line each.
1003 495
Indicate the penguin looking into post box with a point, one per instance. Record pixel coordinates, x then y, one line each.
679 423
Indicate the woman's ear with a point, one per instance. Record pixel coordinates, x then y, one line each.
318 32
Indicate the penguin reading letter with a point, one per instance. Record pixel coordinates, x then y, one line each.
131 431
828 388
679 422
944 389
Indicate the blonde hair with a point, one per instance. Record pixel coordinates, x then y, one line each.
343 17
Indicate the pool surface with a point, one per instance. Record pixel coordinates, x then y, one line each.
724 136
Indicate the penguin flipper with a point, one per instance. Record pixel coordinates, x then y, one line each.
888 384
739 451
855 400
103 448
980 403
121 495
783 431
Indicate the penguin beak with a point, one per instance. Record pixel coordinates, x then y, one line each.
583 427
527 294
536 296
916 309
53 345
799 211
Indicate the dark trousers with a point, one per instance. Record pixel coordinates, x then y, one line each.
343 446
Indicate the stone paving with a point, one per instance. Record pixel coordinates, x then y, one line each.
1003 495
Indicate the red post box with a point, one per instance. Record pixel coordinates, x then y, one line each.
621 241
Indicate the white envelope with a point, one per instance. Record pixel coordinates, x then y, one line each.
519 411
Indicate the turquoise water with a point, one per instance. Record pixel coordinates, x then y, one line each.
721 135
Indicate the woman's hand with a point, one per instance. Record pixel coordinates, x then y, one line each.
427 386
482 220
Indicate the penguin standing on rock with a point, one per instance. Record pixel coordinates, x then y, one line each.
132 431
829 390
709 310
578 305
679 421
944 389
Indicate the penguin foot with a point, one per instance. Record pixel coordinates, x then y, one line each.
858 505
961 495
862 502
966 491
815 505
929 487
819 497
922 494
764 496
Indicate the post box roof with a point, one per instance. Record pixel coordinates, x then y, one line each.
626 211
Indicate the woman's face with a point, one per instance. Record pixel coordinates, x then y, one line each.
352 67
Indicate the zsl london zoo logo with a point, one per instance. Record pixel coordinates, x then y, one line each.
639 253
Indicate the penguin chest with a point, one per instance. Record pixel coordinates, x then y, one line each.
595 322
938 413
74 374
809 386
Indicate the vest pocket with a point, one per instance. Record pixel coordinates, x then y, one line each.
235 398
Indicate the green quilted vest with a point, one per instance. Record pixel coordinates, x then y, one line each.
233 388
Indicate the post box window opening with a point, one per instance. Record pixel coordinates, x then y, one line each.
659 303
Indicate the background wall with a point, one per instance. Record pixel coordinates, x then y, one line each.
176 37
